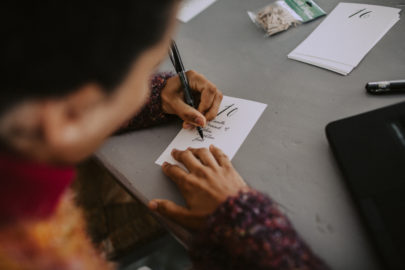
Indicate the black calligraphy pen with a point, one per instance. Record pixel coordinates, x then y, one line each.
178 66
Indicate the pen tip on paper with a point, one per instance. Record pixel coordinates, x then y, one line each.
201 133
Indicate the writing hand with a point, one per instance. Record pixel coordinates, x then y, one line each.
210 181
210 100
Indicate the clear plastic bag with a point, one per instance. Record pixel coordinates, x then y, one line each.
281 15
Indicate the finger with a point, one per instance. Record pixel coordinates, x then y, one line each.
180 177
188 113
207 89
220 157
170 210
205 156
188 159
175 173
187 125
207 98
213 111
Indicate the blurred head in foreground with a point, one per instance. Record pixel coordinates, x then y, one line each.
73 72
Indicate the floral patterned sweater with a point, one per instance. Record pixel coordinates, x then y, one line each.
247 231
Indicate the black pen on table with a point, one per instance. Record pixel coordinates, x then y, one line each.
386 87
178 66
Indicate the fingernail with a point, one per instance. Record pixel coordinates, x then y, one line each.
199 121
174 150
165 164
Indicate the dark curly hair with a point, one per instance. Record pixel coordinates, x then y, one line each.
50 48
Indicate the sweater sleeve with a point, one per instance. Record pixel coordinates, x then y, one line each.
151 114
249 232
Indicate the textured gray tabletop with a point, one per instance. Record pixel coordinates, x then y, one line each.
286 155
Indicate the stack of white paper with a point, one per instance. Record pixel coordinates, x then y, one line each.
191 8
343 39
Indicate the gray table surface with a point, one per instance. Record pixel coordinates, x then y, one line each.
286 155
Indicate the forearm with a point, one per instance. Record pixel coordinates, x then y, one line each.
249 232
151 114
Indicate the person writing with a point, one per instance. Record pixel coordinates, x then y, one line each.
73 74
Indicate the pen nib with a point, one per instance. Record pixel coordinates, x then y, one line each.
201 133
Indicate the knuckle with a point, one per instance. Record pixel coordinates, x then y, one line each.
228 166
167 210
163 207
188 114
187 186
166 171
199 186
201 151
212 90
183 154
182 178
224 156
203 106
217 152
165 97
211 115
166 168
201 172
191 73
175 152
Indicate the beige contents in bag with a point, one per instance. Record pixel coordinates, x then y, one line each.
282 14
274 18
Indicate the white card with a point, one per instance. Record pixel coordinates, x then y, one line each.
347 34
235 120
191 8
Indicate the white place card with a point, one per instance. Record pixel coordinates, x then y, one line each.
235 120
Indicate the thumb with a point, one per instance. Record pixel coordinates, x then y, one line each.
189 114
170 210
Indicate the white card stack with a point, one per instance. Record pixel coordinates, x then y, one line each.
347 34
